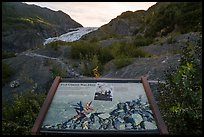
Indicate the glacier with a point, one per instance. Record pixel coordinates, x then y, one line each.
72 36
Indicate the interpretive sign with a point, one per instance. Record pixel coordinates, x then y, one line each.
98 105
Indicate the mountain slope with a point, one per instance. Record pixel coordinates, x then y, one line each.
159 20
26 26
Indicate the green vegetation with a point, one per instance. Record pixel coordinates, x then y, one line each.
122 62
92 55
83 48
55 68
171 38
56 44
108 36
142 41
6 72
19 116
183 16
48 62
180 97
27 20
7 54
57 71
22 22
88 64
127 49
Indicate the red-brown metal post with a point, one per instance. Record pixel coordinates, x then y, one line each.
155 109
45 106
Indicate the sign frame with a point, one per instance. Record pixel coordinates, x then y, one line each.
162 129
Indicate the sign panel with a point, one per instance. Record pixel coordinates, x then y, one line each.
99 105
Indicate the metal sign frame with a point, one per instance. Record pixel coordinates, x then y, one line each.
162 129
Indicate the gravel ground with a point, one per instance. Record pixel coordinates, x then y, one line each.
28 71
154 68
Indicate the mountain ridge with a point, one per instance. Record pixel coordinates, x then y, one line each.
26 26
158 20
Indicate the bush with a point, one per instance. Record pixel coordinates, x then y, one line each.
18 117
142 41
127 50
180 97
82 49
57 71
56 44
186 15
88 63
105 55
92 55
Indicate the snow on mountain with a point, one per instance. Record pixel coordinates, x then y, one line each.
72 36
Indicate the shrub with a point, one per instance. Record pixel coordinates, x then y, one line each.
180 97
56 44
105 55
170 40
127 50
88 63
83 48
18 117
7 54
48 62
93 55
142 41
57 71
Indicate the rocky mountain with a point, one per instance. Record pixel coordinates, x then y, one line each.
27 26
159 20
125 24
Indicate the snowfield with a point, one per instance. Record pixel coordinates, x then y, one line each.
72 36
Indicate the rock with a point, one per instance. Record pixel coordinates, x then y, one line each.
104 116
149 125
122 126
137 118
128 126
14 84
121 120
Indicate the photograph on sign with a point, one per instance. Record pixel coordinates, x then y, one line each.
104 91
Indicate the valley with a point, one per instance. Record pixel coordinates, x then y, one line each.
162 43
